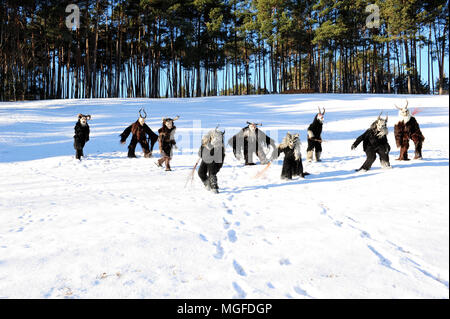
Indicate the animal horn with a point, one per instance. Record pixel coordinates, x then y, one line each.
140 114
406 104
387 116
176 118
323 111
319 110
398 108
248 123
379 116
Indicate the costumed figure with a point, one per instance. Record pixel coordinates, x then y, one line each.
292 163
407 129
81 134
212 155
375 142
252 140
166 141
314 138
141 134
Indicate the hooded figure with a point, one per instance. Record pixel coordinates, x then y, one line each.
212 154
292 163
251 140
314 138
139 131
375 142
407 129
81 134
166 141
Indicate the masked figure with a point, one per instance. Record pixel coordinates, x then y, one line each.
166 141
212 153
251 140
407 129
314 137
141 134
81 134
375 142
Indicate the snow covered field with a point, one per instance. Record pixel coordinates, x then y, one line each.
113 227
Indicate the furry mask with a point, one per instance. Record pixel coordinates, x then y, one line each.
83 118
292 141
320 115
214 138
404 113
168 122
380 126
252 126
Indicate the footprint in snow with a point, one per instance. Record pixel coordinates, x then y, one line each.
240 271
285 261
219 251
232 236
240 292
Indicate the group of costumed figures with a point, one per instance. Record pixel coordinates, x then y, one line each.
251 141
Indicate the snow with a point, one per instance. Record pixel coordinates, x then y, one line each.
113 227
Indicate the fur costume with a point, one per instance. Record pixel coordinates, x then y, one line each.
251 140
314 137
139 131
81 134
408 129
166 141
292 163
212 154
375 142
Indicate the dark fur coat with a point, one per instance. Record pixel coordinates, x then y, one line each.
212 157
316 129
139 132
247 142
139 135
404 132
81 135
373 144
166 140
80 138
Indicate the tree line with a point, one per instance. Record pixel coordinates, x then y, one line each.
193 48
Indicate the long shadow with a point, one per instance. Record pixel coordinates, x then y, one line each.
421 163
334 176
325 177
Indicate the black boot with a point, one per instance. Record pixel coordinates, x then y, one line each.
131 153
213 184
79 154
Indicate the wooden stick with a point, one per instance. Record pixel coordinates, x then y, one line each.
261 173
191 175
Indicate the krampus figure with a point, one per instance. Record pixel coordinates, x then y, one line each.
81 134
140 131
314 138
408 129
292 163
166 141
212 154
375 142
251 140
